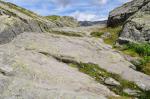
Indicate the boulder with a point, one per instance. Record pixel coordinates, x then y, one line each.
111 81
135 18
136 30
119 15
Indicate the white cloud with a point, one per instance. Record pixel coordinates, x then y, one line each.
85 16
103 1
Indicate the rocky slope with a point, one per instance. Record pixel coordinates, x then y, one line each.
61 63
16 20
134 16
63 21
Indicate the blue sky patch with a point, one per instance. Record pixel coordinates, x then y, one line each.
83 10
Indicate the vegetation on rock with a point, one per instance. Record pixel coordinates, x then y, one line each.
113 31
141 50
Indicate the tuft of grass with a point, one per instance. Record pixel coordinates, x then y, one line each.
142 49
144 65
113 31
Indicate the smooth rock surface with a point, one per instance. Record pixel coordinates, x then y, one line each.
79 49
112 82
37 76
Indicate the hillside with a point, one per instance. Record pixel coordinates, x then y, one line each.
63 21
54 58
16 20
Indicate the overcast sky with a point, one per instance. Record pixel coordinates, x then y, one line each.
83 10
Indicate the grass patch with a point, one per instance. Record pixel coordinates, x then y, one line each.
100 74
53 17
97 34
122 97
143 52
113 31
131 53
142 49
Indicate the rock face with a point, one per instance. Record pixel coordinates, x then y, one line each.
135 17
136 29
15 20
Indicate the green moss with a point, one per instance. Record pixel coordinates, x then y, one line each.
113 31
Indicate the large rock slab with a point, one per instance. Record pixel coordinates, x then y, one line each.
37 76
80 49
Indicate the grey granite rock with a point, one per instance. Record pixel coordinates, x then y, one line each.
135 18
119 15
112 82
131 92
